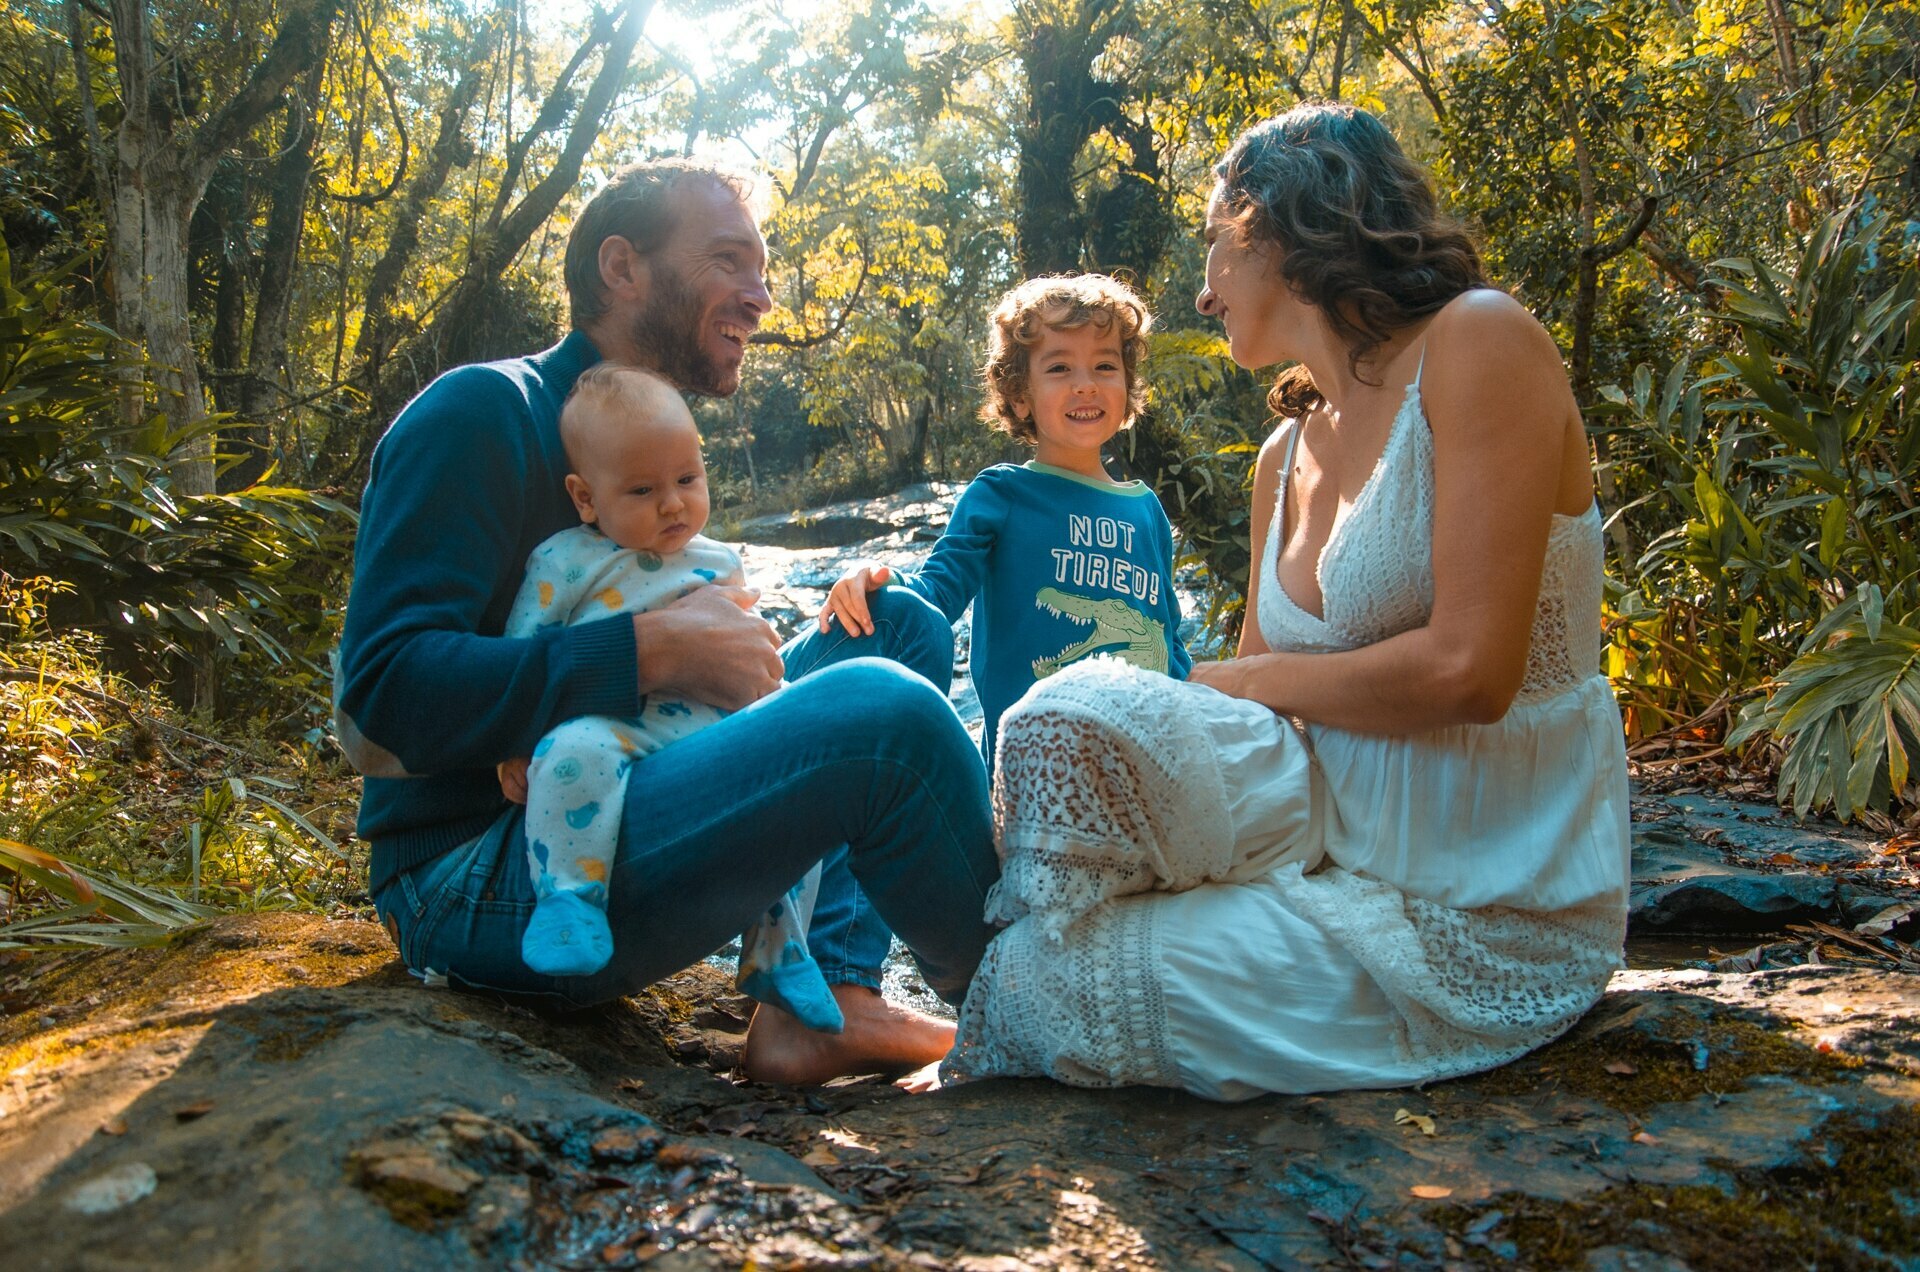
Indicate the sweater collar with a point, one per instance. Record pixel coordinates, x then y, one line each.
566 360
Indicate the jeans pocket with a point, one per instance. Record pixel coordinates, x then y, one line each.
424 895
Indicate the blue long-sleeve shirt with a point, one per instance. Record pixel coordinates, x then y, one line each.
429 694
1060 567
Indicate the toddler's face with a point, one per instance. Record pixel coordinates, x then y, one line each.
1077 392
642 481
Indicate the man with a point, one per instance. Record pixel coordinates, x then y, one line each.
859 763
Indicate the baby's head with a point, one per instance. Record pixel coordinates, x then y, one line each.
1063 303
635 455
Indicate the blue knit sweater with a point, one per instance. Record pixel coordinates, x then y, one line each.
429 695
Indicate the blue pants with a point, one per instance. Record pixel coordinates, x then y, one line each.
859 764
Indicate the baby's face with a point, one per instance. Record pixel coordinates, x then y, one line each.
642 482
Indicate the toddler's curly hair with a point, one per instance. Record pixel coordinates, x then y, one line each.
1058 303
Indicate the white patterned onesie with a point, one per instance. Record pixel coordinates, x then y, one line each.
576 784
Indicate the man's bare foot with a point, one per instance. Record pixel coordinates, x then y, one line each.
921 1081
880 1037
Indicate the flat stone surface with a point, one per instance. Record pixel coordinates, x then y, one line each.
352 1117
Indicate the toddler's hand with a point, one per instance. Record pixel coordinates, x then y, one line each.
848 600
513 779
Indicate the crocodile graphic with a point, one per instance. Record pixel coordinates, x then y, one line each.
1143 642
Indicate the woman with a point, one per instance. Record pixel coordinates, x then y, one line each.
1388 842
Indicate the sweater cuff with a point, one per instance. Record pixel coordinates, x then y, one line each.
600 669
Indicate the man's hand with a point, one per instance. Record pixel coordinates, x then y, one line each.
513 779
709 646
848 599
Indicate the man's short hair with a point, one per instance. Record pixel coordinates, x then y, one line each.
637 205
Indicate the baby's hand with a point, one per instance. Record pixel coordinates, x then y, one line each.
513 779
848 600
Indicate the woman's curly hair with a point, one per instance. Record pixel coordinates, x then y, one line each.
1058 303
1360 233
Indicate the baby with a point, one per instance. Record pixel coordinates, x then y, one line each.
640 487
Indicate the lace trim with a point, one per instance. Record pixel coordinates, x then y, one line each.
1104 787
1088 1012
1476 987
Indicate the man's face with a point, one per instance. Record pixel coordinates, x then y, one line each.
707 292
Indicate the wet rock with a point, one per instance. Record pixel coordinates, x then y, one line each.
813 532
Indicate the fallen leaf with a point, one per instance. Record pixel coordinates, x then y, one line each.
1625 1068
1404 1117
1784 859
630 1084
188 1112
821 1155
114 1126
1642 1137
1432 1192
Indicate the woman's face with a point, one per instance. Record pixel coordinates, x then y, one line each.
1245 291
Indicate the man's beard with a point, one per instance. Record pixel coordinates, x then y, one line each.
668 333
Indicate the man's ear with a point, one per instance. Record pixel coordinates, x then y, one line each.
623 271
582 496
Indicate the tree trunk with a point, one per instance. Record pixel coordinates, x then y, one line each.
225 348
909 458
268 383
160 175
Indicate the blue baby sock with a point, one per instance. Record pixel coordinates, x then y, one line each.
567 936
794 983
776 967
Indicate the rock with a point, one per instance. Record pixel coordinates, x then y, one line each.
1736 901
1694 1119
113 1189
1711 866
813 532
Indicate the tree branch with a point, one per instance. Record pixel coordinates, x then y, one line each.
381 195
1601 252
291 53
783 341
553 111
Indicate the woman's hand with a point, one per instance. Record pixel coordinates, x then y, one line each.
513 779
1228 676
848 599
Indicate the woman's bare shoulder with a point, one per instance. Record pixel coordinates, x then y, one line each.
1486 322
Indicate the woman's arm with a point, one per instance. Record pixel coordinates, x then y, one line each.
1266 490
1502 419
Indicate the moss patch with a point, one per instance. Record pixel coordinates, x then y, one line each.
1849 1200
297 1038
1636 1060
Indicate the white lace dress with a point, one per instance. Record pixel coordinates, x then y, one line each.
1202 895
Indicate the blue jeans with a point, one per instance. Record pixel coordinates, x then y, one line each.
860 764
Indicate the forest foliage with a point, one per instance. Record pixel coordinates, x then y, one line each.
241 233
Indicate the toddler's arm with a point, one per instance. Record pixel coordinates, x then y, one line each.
848 599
